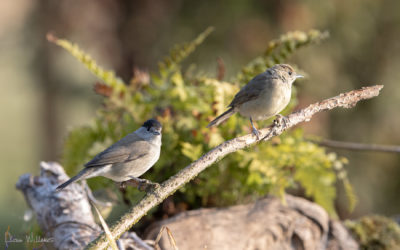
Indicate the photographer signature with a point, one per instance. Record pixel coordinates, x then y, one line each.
30 238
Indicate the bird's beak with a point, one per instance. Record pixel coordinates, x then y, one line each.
299 76
156 133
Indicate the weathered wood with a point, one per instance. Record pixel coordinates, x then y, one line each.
66 215
265 224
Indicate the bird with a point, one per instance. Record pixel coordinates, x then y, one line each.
264 96
127 159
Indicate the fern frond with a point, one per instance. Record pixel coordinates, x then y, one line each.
348 188
182 51
279 50
107 76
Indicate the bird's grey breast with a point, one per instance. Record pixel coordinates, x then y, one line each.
272 98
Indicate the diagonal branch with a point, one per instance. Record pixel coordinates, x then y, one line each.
168 187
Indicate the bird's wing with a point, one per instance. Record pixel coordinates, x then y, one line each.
126 149
251 90
138 150
108 156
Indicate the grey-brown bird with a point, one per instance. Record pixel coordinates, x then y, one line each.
266 95
126 159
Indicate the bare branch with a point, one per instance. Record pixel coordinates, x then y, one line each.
358 146
168 187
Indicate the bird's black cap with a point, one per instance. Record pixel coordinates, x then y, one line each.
152 123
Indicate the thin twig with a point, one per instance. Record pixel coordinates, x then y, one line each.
158 238
106 229
220 69
171 239
168 187
358 146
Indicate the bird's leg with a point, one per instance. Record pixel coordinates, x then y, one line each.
143 184
122 189
255 131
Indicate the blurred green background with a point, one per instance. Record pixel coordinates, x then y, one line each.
45 92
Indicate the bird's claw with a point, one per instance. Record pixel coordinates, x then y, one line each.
281 120
143 185
147 186
122 185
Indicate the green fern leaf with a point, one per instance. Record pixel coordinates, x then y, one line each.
180 52
108 77
279 50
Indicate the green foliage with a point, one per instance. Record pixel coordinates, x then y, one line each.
342 176
182 51
184 103
279 50
375 232
77 146
291 160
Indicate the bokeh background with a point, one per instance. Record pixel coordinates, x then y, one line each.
45 92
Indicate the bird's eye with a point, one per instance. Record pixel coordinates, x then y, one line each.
290 73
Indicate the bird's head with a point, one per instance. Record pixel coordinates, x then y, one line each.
285 72
153 126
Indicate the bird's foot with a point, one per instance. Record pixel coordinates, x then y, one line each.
122 185
147 186
281 121
143 185
256 133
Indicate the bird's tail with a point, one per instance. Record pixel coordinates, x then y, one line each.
81 175
221 118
